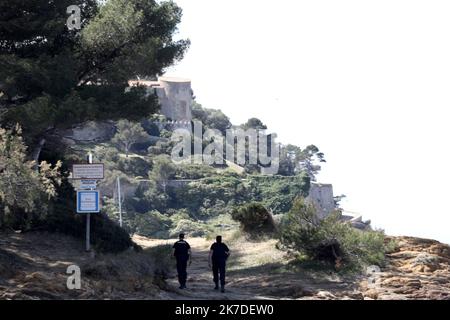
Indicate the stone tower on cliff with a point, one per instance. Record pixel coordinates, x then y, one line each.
174 94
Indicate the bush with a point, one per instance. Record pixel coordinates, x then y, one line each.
131 271
193 171
278 193
134 166
330 239
150 127
177 215
106 235
191 228
212 196
254 218
24 191
152 224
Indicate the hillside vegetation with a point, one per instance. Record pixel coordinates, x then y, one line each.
80 78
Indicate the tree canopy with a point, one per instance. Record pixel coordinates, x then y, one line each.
293 160
128 133
211 118
53 77
22 187
254 123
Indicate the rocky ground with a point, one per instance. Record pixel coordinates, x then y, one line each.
33 266
419 269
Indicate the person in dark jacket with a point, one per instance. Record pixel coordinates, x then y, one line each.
218 256
182 253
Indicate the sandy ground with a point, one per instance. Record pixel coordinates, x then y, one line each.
252 273
33 266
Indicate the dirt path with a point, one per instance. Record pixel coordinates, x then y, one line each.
33 266
200 284
253 272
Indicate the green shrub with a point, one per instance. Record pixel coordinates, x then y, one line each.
278 193
191 228
330 239
24 191
177 215
152 224
212 196
134 166
106 235
193 171
254 218
162 257
131 270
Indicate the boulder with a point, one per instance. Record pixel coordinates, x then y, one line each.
90 131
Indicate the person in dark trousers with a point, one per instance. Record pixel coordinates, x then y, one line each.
182 252
218 256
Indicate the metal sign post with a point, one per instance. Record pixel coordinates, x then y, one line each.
88 217
88 198
120 201
88 232
88 201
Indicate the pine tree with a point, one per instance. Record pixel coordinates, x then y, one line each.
22 188
128 133
52 77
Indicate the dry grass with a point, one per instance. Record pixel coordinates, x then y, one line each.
33 266
248 255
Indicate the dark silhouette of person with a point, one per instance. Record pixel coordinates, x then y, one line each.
182 252
218 256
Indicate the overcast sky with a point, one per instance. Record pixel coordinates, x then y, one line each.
368 82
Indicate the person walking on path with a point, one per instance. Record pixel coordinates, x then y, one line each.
182 253
218 256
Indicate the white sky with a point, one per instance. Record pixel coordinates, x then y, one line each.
368 82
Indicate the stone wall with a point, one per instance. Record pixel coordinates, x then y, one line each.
321 196
175 97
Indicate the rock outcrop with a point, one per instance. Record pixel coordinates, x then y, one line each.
418 269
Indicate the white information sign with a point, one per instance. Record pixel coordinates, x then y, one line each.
88 171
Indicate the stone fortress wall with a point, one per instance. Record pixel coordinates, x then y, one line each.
174 95
321 196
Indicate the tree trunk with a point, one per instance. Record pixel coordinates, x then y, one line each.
37 153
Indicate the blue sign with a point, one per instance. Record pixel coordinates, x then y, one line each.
88 184
88 201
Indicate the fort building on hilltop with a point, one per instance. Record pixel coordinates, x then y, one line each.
174 94
321 197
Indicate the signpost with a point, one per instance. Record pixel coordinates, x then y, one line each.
120 201
88 171
88 198
88 184
88 201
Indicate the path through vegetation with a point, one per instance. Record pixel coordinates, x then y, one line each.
256 270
